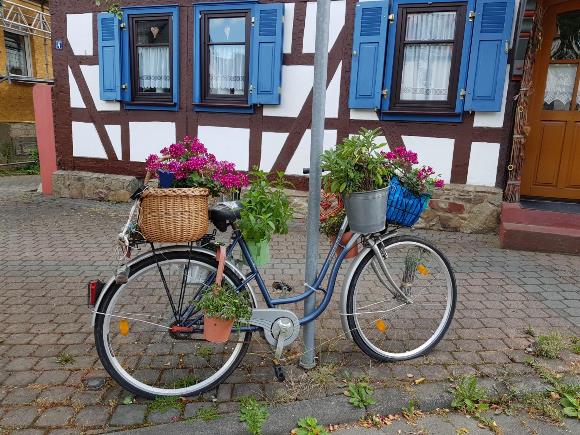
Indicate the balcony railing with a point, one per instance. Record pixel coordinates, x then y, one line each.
25 19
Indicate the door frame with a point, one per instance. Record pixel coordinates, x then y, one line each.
552 9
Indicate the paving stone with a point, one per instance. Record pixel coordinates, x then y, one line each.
21 378
20 396
59 416
53 377
59 394
92 416
126 415
164 417
18 417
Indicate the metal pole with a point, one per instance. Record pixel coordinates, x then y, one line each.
317 136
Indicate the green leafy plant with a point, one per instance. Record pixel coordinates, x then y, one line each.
575 345
469 397
265 207
253 414
112 7
309 426
330 226
65 359
186 381
204 352
165 403
355 165
361 395
549 346
409 411
208 413
571 405
224 302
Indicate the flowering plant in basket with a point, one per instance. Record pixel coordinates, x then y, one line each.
193 166
411 186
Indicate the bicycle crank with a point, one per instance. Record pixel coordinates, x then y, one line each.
281 327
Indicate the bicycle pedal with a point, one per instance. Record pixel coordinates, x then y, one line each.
282 286
279 373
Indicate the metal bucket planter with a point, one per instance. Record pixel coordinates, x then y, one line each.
366 210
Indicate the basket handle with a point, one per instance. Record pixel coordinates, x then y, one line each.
149 174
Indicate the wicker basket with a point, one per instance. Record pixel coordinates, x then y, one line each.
174 215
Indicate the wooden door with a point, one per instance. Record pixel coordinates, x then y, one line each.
552 151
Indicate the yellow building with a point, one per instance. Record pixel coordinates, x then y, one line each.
25 59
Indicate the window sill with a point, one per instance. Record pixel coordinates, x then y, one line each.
421 116
150 105
223 108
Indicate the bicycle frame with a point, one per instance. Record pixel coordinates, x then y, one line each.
310 287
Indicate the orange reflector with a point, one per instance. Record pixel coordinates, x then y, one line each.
123 327
422 269
381 325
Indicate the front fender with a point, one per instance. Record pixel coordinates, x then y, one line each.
148 254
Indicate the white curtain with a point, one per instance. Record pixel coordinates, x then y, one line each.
154 72
559 86
426 67
227 69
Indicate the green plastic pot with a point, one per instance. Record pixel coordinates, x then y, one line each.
260 251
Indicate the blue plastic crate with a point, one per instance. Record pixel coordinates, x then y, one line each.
403 206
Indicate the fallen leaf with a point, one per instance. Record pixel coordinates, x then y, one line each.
419 381
410 375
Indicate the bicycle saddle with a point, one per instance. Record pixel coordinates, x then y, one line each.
223 213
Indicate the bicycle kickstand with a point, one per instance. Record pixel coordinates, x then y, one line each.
285 332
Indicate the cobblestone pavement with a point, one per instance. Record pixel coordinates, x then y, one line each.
50 248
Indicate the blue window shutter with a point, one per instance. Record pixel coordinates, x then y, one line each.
488 57
109 56
266 54
368 55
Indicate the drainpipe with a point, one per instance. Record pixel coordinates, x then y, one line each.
317 136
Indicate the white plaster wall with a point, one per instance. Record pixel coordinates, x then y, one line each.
75 95
337 14
493 119
288 26
231 144
434 152
86 141
333 94
483 161
296 85
114 132
367 114
91 75
301 158
148 138
272 143
79 32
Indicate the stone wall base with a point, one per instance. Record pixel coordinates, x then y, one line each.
89 185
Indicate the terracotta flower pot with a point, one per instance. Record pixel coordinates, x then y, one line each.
345 239
216 330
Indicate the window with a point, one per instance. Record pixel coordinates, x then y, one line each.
237 56
151 54
17 54
225 56
430 60
139 57
428 51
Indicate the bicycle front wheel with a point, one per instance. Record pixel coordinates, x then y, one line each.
405 320
132 329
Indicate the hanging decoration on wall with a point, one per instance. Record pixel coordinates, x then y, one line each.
521 127
155 31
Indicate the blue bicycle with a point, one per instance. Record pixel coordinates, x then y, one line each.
396 303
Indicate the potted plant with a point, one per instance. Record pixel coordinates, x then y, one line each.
265 211
356 170
411 186
222 305
330 227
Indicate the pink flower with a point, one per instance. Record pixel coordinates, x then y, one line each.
439 183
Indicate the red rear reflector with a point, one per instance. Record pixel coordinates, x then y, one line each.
94 289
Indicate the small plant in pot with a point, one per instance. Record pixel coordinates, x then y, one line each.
222 305
357 171
265 212
330 228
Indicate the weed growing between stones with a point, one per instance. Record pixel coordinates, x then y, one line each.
549 346
253 414
65 359
209 413
165 403
309 426
360 394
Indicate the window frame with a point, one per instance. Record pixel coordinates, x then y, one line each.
27 52
223 100
164 98
129 103
422 107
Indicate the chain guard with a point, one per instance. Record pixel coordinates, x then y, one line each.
268 319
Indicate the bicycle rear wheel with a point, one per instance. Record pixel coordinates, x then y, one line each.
388 326
132 329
